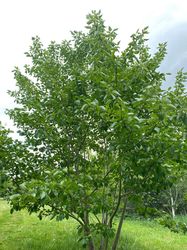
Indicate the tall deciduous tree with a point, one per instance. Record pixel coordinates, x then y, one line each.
98 128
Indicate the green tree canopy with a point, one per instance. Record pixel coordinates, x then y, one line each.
98 128
5 145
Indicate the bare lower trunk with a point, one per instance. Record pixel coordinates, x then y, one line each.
109 221
103 239
90 245
172 204
104 244
173 212
117 236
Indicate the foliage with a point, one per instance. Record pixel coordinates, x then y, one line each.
5 157
13 154
98 128
172 200
174 226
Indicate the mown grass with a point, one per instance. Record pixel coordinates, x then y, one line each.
151 236
23 232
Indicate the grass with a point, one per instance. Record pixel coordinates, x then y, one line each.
181 219
151 236
23 232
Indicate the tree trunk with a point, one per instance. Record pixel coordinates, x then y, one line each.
172 204
103 243
117 236
90 245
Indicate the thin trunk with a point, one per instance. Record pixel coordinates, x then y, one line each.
117 236
117 205
103 239
172 204
101 247
108 221
90 245
102 244
106 244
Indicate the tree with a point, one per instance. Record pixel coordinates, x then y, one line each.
5 157
172 200
13 155
98 129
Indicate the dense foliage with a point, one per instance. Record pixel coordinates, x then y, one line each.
5 146
98 129
172 200
174 226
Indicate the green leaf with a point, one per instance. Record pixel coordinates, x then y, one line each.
42 195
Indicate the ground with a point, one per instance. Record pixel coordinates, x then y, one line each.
24 232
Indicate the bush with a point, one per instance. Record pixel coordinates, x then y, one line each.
174 226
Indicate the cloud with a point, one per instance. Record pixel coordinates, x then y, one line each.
171 27
176 38
175 34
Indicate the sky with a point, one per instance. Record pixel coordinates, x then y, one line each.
20 20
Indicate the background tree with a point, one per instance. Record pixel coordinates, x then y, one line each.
5 156
98 129
171 200
13 155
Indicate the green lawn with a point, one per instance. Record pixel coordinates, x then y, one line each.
24 232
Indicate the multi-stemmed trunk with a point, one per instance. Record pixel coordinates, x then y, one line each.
105 240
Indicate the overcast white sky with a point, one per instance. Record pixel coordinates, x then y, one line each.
54 19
